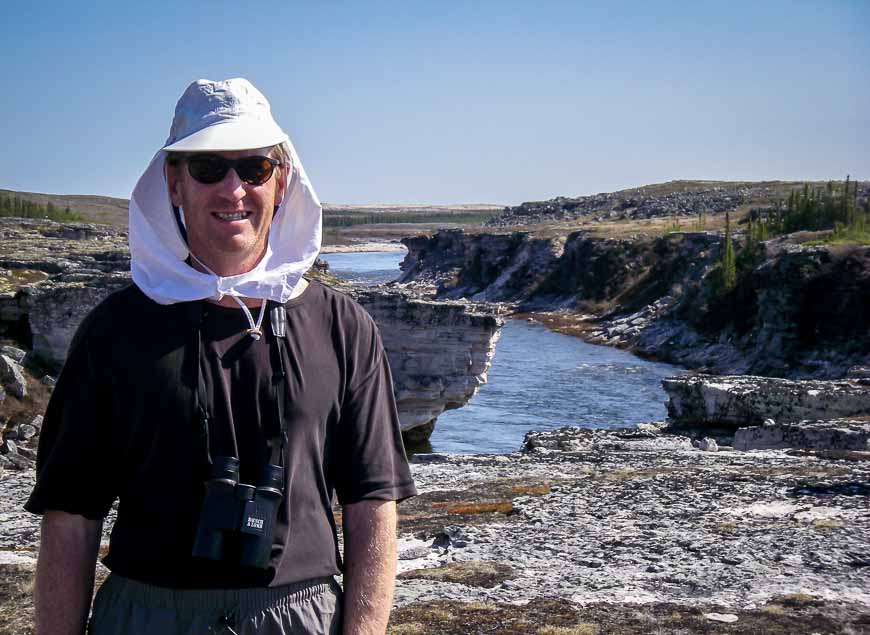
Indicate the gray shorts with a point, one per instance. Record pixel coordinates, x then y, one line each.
133 608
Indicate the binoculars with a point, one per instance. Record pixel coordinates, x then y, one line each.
237 521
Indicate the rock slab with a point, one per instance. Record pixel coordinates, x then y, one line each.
743 400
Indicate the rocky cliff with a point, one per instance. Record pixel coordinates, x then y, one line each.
439 353
799 313
52 274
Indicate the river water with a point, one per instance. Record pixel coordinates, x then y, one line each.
539 380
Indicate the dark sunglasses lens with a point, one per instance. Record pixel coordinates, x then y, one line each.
207 169
254 170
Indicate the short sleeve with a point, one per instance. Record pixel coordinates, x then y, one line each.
371 462
72 473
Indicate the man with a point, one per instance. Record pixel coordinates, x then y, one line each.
221 370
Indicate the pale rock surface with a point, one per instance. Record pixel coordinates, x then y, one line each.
642 516
840 434
13 353
12 377
741 400
439 353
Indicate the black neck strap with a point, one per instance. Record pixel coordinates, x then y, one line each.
277 440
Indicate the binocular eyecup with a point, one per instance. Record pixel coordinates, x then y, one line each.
237 521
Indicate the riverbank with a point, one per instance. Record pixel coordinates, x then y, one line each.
793 313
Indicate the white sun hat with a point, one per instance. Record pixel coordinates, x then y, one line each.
222 116
225 115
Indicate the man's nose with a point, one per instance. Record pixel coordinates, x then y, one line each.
232 187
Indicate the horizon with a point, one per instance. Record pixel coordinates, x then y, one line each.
392 204
493 103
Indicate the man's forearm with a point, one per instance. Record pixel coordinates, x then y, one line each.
370 566
65 573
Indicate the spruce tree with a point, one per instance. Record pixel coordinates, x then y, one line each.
729 265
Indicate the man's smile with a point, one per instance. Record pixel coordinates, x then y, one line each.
231 216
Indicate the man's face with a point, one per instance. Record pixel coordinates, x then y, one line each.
227 222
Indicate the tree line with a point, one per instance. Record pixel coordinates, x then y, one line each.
24 208
817 208
835 207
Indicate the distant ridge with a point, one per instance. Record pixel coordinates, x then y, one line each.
113 211
99 209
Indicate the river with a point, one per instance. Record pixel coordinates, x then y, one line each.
539 380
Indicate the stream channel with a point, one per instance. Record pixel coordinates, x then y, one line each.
539 380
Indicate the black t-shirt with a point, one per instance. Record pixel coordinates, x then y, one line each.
122 424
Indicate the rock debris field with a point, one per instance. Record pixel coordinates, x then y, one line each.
629 518
638 516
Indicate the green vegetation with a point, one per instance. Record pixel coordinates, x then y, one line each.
834 206
675 226
723 277
459 218
729 263
752 253
23 208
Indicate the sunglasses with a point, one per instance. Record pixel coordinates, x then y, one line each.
212 168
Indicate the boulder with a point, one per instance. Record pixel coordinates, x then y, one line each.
37 423
707 444
26 431
743 400
12 377
13 353
843 434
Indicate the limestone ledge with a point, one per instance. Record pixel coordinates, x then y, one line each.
747 400
439 353
52 274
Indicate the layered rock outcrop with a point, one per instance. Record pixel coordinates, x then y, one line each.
797 314
741 400
770 413
52 275
439 353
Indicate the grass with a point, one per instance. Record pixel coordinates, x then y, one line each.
476 573
795 613
579 629
498 507
490 501
827 523
847 236
531 490
18 278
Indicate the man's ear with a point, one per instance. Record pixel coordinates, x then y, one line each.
173 183
281 176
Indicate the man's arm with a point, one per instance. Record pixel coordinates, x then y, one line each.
65 572
370 565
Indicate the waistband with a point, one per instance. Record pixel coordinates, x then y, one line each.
239 601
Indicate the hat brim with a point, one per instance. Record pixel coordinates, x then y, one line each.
231 135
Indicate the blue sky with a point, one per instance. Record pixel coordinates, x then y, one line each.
449 102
